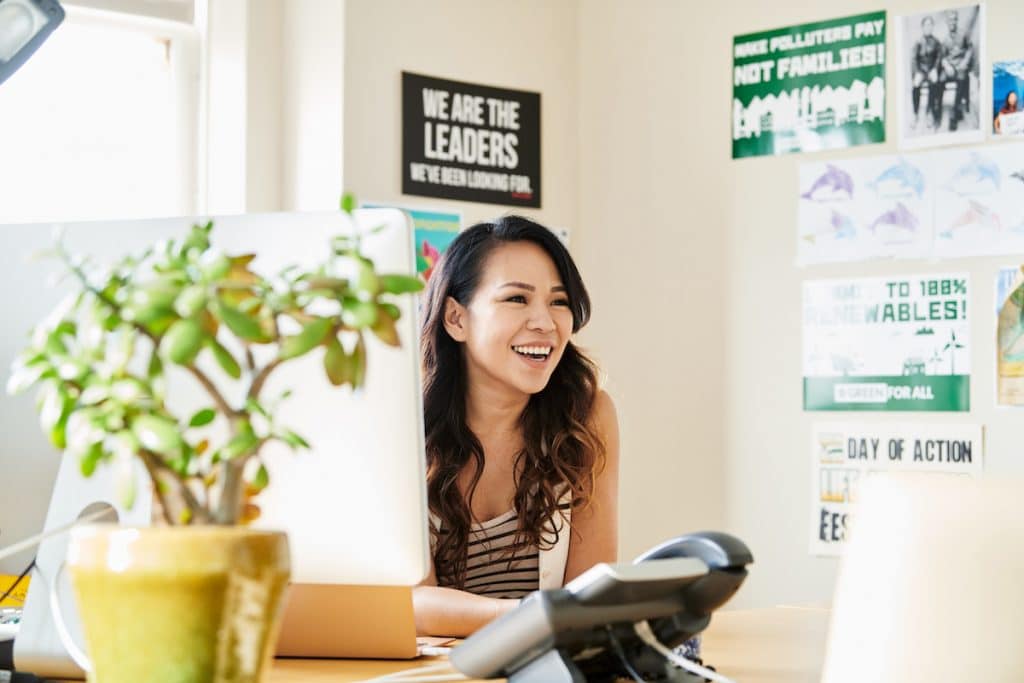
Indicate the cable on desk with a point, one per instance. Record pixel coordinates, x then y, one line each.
617 646
643 629
32 542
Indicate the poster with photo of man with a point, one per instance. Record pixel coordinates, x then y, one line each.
940 87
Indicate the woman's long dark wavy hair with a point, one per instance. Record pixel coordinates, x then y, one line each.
563 451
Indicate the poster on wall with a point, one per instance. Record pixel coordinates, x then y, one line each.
862 209
940 86
979 200
843 454
433 231
1010 337
942 204
809 87
896 343
1007 90
470 142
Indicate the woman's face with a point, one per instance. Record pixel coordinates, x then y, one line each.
1011 100
518 322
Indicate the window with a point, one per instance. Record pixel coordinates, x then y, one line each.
101 122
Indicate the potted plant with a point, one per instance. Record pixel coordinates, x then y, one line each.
198 597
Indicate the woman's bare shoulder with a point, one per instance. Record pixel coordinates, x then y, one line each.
603 412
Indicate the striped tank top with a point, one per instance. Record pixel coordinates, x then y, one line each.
490 570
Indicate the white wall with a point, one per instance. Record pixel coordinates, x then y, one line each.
652 238
712 275
312 88
243 117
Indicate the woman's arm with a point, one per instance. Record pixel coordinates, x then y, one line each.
595 529
450 612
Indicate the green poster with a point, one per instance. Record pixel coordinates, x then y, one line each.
887 344
809 87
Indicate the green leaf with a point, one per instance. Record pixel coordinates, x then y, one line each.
242 443
124 483
53 415
155 367
55 345
202 417
214 267
348 202
224 358
159 322
198 238
400 284
358 314
160 293
358 360
183 341
129 390
253 407
336 363
90 458
385 328
367 281
311 336
261 480
294 440
24 376
157 434
191 300
246 327
96 392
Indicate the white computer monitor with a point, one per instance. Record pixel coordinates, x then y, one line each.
354 506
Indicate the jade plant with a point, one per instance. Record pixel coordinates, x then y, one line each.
100 361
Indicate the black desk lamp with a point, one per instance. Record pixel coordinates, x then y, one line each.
24 25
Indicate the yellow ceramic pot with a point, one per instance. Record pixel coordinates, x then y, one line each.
178 604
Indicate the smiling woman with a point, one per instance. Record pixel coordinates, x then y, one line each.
522 445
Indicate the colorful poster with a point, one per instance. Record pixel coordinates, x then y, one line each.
809 87
979 201
433 232
1010 337
889 344
470 142
940 85
843 454
1007 91
861 209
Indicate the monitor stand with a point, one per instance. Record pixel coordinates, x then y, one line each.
37 648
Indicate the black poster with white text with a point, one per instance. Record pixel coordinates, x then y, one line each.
470 142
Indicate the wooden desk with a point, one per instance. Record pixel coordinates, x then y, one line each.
777 645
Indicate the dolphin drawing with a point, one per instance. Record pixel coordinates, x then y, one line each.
976 214
833 179
899 217
902 177
973 173
840 227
